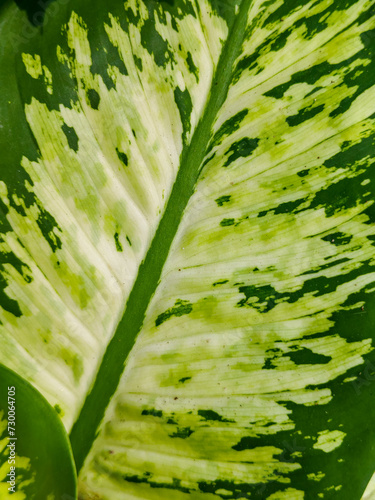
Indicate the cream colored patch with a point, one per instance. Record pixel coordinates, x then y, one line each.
329 440
369 493
48 79
33 65
34 68
288 494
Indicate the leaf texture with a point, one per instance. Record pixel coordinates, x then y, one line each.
251 375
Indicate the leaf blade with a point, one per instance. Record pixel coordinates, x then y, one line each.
289 181
226 320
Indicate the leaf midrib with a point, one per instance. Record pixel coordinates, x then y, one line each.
85 428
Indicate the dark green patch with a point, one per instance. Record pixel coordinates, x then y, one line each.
211 415
228 127
185 107
289 207
354 77
173 20
223 199
128 240
357 76
177 9
180 308
182 433
263 297
11 259
171 421
350 153
227 222
192 67
49 228
58 409
304 356
268 365
154 43
368 37
242 490
71 137
174 485
118 243
343 106
242 148
344 195
226 10
184 379
6 302
304 115
303 173
138 62
207 160
284 208
122 157
93 98
222 282
338 238
153 413
309 76
312 24
277 39
35 10
104 53
325 266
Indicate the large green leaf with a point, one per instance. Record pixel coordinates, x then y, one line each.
187 225
35 454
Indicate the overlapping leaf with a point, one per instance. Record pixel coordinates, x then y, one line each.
36 460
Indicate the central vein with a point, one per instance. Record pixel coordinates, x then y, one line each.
84 430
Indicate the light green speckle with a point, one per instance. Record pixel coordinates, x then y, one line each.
48 79
329 440
316 477
33 65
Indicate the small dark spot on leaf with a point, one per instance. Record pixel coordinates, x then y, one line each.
94 98
153 413
122 157
227 222
180 308
223 199
118 244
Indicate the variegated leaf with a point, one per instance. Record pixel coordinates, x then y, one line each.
197 176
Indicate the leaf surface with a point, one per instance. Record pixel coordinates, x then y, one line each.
211 167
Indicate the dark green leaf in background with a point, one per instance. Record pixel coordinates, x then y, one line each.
36 447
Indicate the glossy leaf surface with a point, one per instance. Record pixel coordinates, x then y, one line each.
35 455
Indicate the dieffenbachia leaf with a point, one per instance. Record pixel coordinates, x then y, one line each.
198 176
36 461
